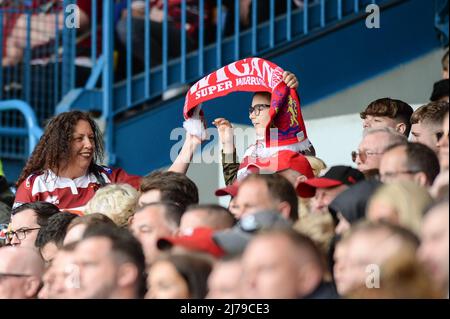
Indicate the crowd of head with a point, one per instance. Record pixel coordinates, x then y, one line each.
293 228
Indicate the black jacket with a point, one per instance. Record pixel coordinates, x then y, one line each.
352 202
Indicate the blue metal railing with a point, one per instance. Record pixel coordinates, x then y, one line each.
279 27
270 25
36 66
275 30
31 131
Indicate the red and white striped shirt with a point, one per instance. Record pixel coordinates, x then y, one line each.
66 193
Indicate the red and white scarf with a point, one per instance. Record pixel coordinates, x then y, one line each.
286 129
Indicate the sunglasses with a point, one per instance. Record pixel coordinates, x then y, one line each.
363 155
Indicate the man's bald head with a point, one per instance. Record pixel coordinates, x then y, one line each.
293 266
21 261
21 269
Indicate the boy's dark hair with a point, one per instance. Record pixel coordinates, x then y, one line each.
431 113
55 230
43 211
125 248
174 187
395 109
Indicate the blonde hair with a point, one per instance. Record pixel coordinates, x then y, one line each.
408 199
117 201
304 204
318 227
317 165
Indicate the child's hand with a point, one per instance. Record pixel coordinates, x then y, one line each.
226 134
290 79
222 124
193 140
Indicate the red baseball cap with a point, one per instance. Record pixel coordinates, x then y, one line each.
199 239
231 190
284 160
336 176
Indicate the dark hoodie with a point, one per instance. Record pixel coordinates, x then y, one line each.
6 201
6 196
352 202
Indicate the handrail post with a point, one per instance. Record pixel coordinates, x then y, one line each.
27 56
165 45
201 37
129 50
219 34
255 28
289 20
108 47
236 30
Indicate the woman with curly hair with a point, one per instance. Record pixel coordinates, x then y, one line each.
63 167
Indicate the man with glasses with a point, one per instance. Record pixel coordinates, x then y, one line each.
412 161
26 220
427 124
20 273
373 146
